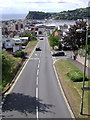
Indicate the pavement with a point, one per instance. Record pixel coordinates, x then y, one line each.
78 62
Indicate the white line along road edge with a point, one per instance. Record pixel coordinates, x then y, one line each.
66 101
9 91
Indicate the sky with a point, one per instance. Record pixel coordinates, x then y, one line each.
24 6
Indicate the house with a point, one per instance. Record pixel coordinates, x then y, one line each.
58 33
41 30
50 29
8 43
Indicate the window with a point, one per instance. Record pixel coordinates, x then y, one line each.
7 40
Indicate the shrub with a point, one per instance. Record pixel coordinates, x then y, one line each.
26 43
76 76
20 54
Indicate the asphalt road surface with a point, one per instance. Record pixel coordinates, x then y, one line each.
37 93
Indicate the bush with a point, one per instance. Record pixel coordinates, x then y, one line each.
76 76
20 54
26 43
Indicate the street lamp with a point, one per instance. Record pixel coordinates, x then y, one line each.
84 73
84 70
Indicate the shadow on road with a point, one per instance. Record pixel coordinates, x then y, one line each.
24 104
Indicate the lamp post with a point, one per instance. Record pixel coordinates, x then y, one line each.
84 73
84 70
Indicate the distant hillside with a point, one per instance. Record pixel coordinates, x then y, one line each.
67 15
37 15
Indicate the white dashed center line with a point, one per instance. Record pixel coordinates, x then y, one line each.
37 81
37 71
38 66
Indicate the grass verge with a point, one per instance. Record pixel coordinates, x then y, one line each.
72 89
30 46
11 64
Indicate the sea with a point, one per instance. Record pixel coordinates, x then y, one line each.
51 22
12 16
58 22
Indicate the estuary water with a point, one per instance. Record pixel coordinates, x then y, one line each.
58 22
44 22
12 16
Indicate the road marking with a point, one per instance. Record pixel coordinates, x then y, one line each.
66 101
34 59
37 113
37 71
37 81
35 54
39 61
37 93
54 61
38 65
9 91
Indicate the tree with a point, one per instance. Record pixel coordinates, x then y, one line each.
54 41
75 37
31 36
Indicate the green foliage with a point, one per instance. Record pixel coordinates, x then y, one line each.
76 75
75 37
31 36
74 14
88 49
37 15
20 54
68 15
54 41
9 68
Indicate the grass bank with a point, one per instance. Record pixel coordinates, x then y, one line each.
72 89
30 46
11 64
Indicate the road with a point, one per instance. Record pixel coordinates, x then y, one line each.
37 93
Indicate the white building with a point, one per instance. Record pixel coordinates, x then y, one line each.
8 43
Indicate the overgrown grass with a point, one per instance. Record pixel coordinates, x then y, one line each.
72 89
10 66
30 46
21 54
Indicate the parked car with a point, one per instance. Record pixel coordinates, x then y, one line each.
23 47
38 49
67 48
60 53
41 38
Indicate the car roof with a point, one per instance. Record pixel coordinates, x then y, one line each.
59 52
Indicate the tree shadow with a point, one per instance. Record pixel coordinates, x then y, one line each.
25 104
